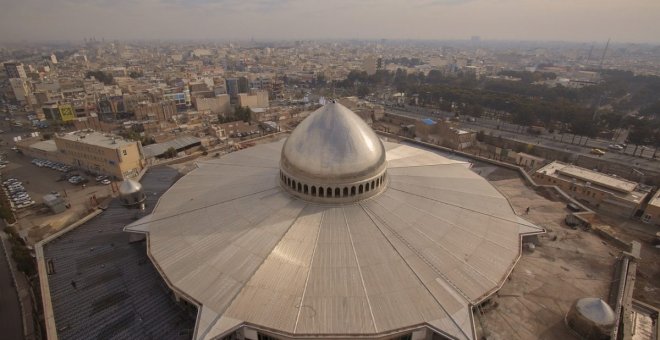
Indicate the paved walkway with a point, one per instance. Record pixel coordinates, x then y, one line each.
11 325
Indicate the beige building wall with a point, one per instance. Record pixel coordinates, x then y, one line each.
20 88
591 193
652 212
161 111
216 105
123 160
256 99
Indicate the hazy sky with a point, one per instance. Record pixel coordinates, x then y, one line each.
569 20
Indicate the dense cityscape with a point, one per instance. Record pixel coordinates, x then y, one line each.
330 188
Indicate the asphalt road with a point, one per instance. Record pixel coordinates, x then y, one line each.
565 141
11 324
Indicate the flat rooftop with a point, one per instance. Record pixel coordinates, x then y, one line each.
46 145
96 138
103 287
606 181
655 200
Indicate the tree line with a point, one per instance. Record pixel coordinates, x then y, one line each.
607 105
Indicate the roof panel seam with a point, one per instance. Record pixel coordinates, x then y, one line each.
293 221
309 271
371 217
357 261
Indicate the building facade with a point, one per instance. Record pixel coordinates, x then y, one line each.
652 212
254 99
101 153
15 70
161 111
215 105
605 192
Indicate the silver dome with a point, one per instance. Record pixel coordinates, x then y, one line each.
591 318
333 144
129 186
596 310
333 156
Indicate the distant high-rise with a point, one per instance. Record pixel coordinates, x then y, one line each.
232 86
15 70
53 58
369 65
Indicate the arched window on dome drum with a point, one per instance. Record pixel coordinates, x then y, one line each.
305 189
360 189
337 192
293 184
321 192
313 190
299 187
353 191
345 192
329 192
288 182
373 185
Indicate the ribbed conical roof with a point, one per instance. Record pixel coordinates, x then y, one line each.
596 310
333 144
129 186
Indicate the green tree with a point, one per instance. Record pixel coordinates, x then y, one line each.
170 153
243 113
640 134
105 78
363 91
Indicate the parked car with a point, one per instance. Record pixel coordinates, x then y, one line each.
596 151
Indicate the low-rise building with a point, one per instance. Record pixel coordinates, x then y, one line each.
161 111
215 105
254 99
444 133
101 153
605 192
652 211
232 129
528 161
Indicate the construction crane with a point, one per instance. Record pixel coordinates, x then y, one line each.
589 55
602 58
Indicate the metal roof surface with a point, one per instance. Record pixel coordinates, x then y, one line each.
438 239
153 150
104 287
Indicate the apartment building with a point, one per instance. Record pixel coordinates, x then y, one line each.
652 211
161 111
101 153
215 105
254 99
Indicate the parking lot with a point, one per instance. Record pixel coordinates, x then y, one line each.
36 221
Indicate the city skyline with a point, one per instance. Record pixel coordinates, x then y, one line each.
544 20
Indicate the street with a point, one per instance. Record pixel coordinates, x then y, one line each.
11 325
558 140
